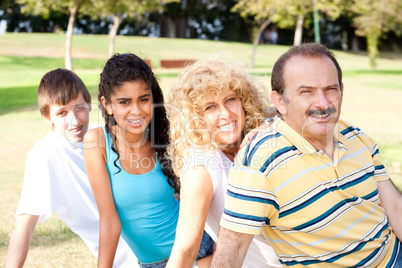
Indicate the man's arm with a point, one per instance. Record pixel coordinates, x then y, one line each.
391 201
20 240
231 249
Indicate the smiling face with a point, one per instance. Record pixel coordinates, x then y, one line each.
70 121
225 117
132 107
311 103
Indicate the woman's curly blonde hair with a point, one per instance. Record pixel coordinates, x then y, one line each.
193 87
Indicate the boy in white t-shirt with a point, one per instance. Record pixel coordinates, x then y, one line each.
55 178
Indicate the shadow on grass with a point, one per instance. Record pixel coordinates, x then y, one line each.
382 54
16 98
49 63
374 72
42 238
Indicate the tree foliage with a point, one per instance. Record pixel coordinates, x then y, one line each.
120 9
375 18
45 7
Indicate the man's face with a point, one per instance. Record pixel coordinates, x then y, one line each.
70 121
311 103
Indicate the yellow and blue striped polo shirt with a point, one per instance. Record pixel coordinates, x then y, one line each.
313 210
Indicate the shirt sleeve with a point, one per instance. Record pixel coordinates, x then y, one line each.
40 192
250 200
380 174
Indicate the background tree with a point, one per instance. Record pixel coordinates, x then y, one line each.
285 14
120 9
208 19
375 18
263 13
45 7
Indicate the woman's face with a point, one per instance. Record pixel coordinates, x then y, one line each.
225 117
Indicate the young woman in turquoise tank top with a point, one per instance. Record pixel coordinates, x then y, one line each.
130 176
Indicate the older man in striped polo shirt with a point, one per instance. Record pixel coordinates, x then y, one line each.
312 184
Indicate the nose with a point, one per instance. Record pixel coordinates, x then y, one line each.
321 99
223 111
74 119
135 109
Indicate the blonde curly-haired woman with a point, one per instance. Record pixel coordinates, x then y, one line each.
213 104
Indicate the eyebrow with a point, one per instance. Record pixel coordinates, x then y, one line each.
208 103
145 95
80 104
311 87
66 108
140 97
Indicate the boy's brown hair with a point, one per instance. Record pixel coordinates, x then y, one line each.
60 86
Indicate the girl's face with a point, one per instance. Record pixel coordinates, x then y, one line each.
225 117
132 107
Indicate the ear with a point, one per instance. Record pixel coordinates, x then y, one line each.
279 102
108 107
342 89
47 118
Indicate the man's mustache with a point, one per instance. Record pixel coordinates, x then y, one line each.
329 110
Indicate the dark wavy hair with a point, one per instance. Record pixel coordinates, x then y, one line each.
122 68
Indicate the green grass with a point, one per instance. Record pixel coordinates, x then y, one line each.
372 101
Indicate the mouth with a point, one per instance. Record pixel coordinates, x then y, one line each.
77 129
135 122
227 127
321 116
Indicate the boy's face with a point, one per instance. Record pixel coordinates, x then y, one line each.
70 121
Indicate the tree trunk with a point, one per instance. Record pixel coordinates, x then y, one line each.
257 40
69 36
171 28
113 33
299 30
372 47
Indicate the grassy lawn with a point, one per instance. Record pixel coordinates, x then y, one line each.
372 101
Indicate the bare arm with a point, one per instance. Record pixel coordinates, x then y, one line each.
231 249
391 201
20 240
109 225
195 197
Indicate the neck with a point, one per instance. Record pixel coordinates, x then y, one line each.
327 146
131 144
230 152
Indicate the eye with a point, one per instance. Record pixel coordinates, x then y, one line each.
144 99
62 113
210 107
231 99
305 91
122 102
79 108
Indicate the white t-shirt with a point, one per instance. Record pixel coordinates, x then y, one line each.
260 253
55 180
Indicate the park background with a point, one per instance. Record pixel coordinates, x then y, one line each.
372 96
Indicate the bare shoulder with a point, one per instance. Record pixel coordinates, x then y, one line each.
195 173
94 138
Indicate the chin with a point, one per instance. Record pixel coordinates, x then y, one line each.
227 141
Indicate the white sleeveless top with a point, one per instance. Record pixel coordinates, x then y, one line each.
260 253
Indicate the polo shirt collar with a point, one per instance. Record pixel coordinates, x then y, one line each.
302 144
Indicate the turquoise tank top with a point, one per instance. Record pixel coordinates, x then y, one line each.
147 209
